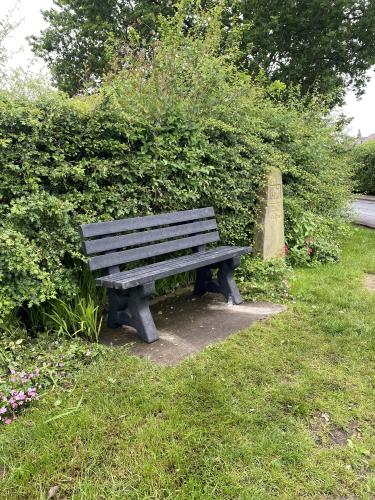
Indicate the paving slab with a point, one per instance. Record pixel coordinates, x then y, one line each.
187 325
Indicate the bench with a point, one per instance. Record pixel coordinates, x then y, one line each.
112 244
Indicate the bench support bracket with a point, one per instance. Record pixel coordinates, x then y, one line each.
224 283
131 308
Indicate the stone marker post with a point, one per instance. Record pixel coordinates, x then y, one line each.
269 233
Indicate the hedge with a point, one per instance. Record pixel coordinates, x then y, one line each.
183 129
364 162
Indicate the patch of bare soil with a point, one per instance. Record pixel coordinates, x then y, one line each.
326 434
369 281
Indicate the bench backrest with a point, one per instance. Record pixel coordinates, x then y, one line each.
127 240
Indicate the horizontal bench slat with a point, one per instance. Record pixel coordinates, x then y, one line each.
122 241
164 263
117 258
148 221
167 268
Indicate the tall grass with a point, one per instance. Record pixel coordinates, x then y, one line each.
81 318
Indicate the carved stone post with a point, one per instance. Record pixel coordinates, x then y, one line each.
269 240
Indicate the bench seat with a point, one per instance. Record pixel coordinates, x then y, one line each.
152 272
116 243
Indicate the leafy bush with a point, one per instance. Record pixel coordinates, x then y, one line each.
314 239
22 275
364 162
258 279
182 128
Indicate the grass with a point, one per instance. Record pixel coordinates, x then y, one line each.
283 410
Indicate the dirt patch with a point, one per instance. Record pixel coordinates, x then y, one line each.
326 434
369 281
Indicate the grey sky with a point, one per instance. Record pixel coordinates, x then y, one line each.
28 11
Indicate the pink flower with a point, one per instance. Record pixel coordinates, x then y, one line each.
7 421
3 410
21 396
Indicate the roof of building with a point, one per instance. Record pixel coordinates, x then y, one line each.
369 138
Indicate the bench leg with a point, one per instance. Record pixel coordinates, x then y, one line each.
226 281
140 314
204 282
131 307
118 301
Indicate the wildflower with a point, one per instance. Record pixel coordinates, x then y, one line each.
7 421
3 410
32 393
21 396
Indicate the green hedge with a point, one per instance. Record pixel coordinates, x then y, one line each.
184 129
364 162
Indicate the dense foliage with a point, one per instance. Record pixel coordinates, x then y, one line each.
319 45
364 161
179 130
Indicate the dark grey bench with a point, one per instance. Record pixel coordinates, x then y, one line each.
140 238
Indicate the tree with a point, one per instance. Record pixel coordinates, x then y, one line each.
319 45
7 24
322 45
83 36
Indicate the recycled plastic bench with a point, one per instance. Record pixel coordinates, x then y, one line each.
118 242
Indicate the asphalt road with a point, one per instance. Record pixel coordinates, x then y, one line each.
364 212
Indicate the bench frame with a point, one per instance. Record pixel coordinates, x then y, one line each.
130 306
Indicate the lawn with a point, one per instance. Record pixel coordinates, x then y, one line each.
285 409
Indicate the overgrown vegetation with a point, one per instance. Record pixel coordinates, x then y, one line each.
364 163
178 128
260 279
31 366
283 410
